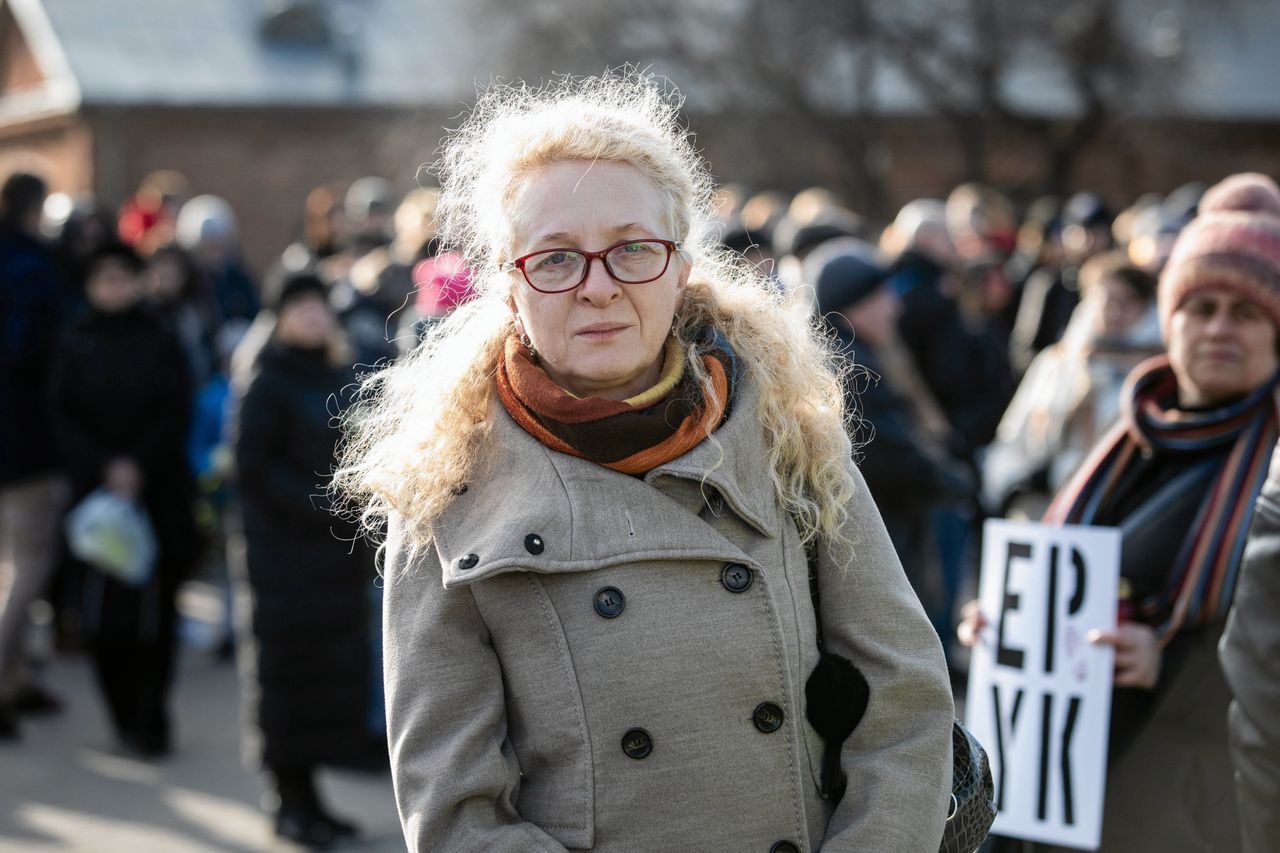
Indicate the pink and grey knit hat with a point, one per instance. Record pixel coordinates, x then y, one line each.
1233 244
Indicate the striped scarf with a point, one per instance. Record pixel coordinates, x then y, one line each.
1203 578
632 436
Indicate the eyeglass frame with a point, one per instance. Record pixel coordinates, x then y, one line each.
671 246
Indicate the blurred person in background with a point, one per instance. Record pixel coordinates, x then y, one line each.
442 283
122 406
32 488
901 431
176 293
981 222
1156 229
736 238
1038 247
965 370
210 453
373 298
324 231
206 228
148 218
368 207
1070 396
1179 476
987 299
305 661
1049 296
761 214
814 218
75 227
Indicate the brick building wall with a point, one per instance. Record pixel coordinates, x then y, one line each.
265 160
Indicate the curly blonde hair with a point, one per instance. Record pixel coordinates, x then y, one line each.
421 427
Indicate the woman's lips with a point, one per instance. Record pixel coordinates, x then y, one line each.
601 332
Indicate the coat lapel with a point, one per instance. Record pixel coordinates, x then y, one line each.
565 514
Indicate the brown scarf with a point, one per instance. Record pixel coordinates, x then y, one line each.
632 436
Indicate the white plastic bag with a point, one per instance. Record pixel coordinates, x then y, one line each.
113 535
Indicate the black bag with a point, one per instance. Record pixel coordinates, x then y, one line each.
973 807
837 695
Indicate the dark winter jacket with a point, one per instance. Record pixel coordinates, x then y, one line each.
966 370
31 306
905 480
234 291
309 580
120 388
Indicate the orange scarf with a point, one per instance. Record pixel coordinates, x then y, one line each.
632 436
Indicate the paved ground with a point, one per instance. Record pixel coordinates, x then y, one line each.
64 786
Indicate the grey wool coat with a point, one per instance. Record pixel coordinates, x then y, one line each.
1250 654
585 660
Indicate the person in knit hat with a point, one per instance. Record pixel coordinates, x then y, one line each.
1179 476
1250 216
306 664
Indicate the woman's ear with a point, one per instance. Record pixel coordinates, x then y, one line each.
516 318
685 265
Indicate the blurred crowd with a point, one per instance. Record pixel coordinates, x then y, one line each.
143 357
991 342
146 363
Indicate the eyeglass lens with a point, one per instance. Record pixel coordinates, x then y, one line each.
630 263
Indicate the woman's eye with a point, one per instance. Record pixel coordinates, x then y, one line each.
554 259
1247 311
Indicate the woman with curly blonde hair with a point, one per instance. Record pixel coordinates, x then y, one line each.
603 483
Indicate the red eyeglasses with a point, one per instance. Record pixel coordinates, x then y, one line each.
629 262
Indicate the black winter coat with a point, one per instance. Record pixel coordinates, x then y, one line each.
967 370
31 306
906 482
312 672
120 388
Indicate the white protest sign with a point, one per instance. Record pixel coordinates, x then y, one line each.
1039 694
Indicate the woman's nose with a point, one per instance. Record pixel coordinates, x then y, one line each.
598 287
1222 323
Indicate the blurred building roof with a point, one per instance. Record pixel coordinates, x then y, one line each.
249 52
1221 57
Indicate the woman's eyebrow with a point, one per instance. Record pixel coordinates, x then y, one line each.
564 236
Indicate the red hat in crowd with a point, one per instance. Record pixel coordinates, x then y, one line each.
443 283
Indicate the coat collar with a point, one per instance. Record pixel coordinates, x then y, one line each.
565 514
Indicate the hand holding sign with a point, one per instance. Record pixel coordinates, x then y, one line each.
1039 691
1138 653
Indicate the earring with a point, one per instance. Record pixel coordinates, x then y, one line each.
528 344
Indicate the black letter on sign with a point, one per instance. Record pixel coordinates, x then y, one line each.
1068 810
1043 811
1051 621
1006 656
1013 723
1077 598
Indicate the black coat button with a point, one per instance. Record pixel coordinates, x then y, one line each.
767 717
610 601
468 561
637 744
533 544
784 847
735 577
